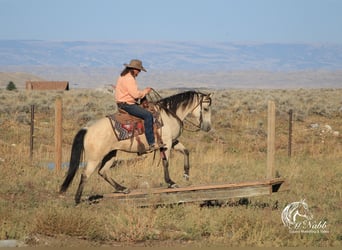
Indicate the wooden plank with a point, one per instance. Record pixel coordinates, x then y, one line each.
198 196
200 187
198 193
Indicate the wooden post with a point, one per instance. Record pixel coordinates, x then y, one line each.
271 140
58 133
32 132
290 133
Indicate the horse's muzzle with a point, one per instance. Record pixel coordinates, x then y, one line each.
206 127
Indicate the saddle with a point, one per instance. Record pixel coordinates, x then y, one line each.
126 126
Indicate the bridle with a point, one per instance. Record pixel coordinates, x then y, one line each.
198 126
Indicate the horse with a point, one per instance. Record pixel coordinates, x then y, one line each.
293 210
98 144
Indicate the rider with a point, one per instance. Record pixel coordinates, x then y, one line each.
126 95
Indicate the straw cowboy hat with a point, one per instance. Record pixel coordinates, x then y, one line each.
135 64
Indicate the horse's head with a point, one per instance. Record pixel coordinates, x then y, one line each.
202 112
189 102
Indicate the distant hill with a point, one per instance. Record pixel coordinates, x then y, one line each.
97 77
173 55
18 78
175 64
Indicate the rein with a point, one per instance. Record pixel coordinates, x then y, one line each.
200 119
198 126
154 97
175 116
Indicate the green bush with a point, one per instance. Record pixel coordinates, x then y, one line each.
11 86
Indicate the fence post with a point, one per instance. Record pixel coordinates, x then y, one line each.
290 133
31 132
58 133
270 140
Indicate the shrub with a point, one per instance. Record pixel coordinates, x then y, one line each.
11 86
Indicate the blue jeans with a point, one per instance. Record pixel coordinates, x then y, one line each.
138 111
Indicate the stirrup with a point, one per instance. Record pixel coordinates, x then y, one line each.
156 146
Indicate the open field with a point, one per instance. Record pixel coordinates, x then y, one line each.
90 77
235 150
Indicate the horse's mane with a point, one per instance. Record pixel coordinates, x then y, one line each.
172 103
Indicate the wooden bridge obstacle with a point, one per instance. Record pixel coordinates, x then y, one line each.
191 194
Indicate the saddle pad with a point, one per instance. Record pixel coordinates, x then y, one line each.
126 126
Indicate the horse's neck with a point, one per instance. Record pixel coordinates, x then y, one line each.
183 113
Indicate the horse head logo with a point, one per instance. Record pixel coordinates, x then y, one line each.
295 212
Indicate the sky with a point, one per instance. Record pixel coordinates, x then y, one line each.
281 21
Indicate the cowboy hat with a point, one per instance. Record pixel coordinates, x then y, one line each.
135 64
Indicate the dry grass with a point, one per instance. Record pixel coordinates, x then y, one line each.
235 150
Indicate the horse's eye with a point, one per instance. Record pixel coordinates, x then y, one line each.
206 109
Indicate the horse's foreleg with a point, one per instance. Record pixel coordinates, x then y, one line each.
170 183
178 146
107 162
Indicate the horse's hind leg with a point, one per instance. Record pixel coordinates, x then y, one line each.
80 188
89 169
178 146
107 162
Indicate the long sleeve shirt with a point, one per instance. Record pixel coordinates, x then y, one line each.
126 90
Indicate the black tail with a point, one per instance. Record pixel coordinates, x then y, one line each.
75 158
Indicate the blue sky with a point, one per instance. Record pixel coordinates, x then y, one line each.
284 21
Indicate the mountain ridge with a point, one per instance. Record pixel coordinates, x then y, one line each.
169 64
173 55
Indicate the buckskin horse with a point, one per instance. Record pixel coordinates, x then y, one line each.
99 145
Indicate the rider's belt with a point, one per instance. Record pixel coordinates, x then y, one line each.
120 104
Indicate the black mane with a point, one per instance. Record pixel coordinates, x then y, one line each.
172 103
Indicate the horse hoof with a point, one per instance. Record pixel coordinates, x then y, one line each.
174 185
186 177
126 191
123 191
62 196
